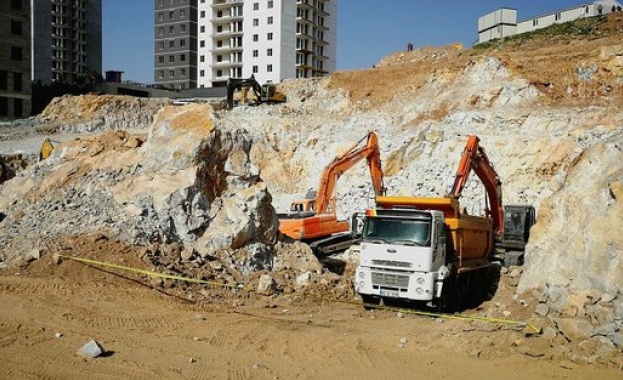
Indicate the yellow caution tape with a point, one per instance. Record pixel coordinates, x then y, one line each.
146 272
389 308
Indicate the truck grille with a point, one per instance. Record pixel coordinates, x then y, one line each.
390 279
389 263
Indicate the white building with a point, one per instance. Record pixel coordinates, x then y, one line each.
503 22
270 39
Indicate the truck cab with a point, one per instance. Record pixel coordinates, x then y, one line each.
402 255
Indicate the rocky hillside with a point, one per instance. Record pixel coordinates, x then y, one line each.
547 110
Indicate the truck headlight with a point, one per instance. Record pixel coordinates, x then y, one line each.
362 275
419 290
420 280
362 285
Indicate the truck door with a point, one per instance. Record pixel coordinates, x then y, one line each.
438 243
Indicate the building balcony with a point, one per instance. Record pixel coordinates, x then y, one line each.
304 50
304 4
226 49
226 19
304 20
303 66
224 4
226 34
225 64
321 12
305 35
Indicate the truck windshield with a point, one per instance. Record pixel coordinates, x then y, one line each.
394 230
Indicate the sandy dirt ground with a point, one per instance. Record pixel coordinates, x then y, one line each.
150 332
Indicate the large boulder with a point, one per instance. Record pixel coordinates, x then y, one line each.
190 181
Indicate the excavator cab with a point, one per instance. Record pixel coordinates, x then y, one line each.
271 95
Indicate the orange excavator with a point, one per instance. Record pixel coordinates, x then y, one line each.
475 158
511 223
314 219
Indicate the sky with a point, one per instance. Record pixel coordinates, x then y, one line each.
367 30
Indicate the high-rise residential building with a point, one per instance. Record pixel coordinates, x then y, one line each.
66 40
175 43
15 98
270 39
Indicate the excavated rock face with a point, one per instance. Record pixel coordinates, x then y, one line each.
575 255
189 181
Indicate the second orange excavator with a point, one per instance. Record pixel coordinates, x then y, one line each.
314 219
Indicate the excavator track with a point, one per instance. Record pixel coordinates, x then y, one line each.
333 244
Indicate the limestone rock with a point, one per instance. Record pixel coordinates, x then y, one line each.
91 349
574 329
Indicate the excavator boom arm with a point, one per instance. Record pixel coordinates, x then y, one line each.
340 164
475 158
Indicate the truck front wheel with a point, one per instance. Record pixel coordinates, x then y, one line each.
370 302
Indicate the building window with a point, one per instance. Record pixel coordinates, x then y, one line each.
270 20
202 58
269 68
270 4
256 6
203 14
183 28
161 59
219 14
219 73
17 107
171 73
535 22
182 86
219 58
202 29
16 27
171 29
160 31
202 73
4 106
17 82
172 43
182 42
183 72
16 53
160 16
171 14
183 57
219 43
160 3
270 36
202 43
256 22
182 13
219 29
160 74
255 69
269 52
171 58
16 4
557 16
4 81
256 37
160 45
256 53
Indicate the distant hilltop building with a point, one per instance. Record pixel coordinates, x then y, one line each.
503 22
202 43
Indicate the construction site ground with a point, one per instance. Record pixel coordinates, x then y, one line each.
153 331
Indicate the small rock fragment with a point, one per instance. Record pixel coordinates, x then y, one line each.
91 350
